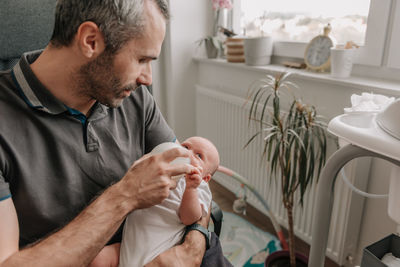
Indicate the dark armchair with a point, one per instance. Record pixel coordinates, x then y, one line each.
26 25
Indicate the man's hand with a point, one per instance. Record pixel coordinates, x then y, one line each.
174 257
188 254
148 181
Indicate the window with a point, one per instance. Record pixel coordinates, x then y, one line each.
393 54
293 23
294 20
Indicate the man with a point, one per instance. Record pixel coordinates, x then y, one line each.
76 123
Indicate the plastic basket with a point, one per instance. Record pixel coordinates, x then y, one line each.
373 254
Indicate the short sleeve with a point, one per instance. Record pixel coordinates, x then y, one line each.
157 130
205 196
4 188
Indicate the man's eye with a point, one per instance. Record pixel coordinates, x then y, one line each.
145 60
185 146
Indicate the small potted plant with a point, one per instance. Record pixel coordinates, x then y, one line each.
258 46
212 44
295 145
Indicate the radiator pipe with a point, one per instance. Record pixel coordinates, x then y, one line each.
245 182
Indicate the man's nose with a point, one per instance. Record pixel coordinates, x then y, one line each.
145 76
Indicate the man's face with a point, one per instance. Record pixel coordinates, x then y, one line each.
100 81
111 78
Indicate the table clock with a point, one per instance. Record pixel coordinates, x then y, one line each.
317 55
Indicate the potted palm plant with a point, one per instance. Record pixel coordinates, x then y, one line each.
295 143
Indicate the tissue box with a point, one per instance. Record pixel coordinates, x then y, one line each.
373 254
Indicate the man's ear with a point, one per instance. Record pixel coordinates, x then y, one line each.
207 178
90 39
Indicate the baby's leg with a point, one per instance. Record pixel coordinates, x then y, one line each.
108 256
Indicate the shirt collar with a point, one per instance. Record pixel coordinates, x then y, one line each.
31 89
35 94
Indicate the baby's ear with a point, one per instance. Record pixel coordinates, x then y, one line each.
207 178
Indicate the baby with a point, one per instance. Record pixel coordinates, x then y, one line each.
149 232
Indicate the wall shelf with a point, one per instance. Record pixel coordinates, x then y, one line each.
357 82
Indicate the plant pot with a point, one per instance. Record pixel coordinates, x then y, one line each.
258 51
281 258
212 50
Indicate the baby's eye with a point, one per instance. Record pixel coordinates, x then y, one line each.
185 146
199 156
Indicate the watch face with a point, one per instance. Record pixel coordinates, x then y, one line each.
318 51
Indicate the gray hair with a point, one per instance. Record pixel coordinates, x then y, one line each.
118 20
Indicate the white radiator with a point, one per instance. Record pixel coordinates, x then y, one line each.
223 119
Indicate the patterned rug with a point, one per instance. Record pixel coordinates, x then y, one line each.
243 243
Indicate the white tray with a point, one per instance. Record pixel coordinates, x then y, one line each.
363 131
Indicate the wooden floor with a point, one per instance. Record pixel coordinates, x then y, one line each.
224 198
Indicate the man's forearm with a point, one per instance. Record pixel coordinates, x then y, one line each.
196 243
79 242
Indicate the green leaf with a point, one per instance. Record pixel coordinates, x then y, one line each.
269 136
276 109
264 107
251 139
293 133
216 43
275 157
256 101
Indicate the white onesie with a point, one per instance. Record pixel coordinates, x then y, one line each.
149 232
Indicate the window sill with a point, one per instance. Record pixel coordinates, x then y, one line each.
358 82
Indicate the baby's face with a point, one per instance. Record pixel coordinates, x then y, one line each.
204 154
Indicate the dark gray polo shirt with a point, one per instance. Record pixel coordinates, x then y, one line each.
54 160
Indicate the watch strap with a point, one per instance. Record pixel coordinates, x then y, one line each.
201 229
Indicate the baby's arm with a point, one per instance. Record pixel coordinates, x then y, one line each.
190 210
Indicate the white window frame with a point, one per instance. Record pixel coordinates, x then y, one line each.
369 54
393 55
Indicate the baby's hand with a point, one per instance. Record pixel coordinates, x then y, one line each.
193 180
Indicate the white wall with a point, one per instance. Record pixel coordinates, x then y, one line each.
190 21
330 98
193 19
376 222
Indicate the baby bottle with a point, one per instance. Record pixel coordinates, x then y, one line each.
167 146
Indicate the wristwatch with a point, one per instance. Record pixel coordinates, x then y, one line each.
202 230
